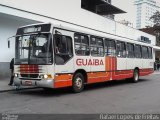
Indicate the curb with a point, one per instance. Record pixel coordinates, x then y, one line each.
2 91
156 73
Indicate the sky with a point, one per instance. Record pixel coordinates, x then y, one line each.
127 6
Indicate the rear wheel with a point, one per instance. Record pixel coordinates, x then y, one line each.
78 83
135 76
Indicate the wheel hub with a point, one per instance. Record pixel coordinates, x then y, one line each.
78 82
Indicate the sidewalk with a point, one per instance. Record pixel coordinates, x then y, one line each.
156 72
4 87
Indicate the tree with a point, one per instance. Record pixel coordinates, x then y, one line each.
156 18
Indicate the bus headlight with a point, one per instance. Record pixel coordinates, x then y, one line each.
45 76
15 75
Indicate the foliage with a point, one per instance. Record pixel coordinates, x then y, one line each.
156 18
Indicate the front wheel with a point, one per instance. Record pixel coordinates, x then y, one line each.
135 76
78 83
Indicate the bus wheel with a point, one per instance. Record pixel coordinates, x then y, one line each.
135 76
78 83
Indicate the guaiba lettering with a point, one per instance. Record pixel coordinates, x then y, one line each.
89 62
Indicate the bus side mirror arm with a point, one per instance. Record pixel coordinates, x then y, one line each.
8 43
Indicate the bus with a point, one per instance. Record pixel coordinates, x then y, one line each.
53 55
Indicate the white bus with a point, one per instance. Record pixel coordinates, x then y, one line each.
55 56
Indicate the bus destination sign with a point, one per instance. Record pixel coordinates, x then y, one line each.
34 29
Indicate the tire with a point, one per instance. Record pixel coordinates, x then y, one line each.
78 83
135 78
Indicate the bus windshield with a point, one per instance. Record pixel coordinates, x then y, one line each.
34 49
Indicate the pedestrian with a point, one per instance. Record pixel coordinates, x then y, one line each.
155 66
158 66
12 72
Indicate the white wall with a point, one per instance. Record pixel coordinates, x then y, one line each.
69 11
134 34
8 26
60 9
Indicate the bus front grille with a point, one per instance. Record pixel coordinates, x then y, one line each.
29 75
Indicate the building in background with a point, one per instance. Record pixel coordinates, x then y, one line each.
153 31
145 9
101 7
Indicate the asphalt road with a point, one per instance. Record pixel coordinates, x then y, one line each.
110 97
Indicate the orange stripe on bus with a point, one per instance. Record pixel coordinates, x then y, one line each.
144 72
59 84
63 77
65 80
98 77
111 63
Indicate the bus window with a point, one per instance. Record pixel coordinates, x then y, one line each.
110 47
150 52
63 49
96 46
130 50
121 49
145 52
137 51
81 44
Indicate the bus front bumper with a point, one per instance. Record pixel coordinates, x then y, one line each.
49 83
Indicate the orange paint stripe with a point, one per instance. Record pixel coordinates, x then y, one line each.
63 77
111 63
98 77
66 80
60 84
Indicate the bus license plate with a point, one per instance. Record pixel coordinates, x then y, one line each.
28 83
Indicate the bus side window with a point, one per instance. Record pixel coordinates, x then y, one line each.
97 48
63 48
81 44
130 50
110 47
145 54
150 53
137 51
121 49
